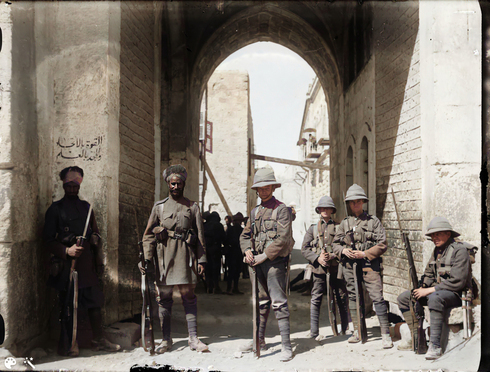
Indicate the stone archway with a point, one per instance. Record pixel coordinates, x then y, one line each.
274 24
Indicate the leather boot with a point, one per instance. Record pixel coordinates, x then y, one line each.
165 316
355 335
284 330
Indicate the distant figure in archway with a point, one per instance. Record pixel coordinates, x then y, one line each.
214 235
233 254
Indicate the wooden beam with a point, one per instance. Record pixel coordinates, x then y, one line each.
290 162
216 187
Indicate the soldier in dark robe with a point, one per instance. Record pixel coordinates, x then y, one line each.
65 221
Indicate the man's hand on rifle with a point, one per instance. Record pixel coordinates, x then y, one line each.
359 255
249 257
423 292
254 260
74 251
324 258
349 253
200 269
144 269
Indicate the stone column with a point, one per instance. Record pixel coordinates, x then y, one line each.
450 96
77 59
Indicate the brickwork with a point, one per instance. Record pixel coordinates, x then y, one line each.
137 163
359 123
398 138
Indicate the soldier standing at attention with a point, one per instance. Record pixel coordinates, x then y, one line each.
64 223
361 238
447 274
174 236
267 242
317 237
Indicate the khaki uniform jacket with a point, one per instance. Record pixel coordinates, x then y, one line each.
458 277
364 234
311 249
177 260
279 246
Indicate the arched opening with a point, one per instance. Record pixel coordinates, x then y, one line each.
253 104
315 52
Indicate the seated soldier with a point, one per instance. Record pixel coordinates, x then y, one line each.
447 274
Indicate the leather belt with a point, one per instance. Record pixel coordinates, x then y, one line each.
176 235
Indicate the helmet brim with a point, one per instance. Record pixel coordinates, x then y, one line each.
454 234
265 183
350 198
334 209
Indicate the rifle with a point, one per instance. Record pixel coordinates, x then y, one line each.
70 307
146 313
419 342
255 305
331 303
361 317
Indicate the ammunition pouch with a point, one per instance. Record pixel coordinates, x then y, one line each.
191 238
366 245
375 265
59 273
59 265
161 234
56 266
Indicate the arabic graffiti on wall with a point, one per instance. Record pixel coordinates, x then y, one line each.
79 148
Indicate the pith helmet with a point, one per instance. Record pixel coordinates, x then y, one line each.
264 177
440 224
325 202
356 192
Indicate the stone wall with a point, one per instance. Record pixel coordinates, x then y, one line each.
228 110
398 137
23 300
450 96
137 137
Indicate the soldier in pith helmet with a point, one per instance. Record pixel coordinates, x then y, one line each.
361 238
446 275
267 243
317 249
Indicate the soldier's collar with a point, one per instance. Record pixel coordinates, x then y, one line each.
363 216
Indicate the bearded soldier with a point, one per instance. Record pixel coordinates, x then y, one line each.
174 236
359 242
64 222
447 274
317 249
267 242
